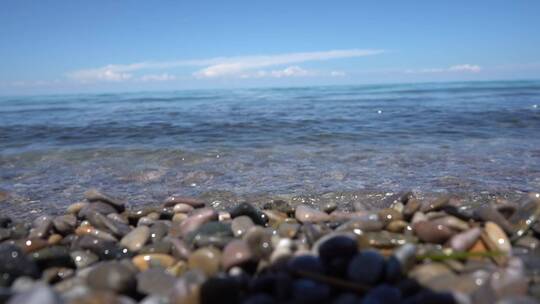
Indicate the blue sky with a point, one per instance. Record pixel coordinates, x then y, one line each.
102 46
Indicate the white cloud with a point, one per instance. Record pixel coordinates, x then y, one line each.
338 74
157 77
291 71
467 68
215 67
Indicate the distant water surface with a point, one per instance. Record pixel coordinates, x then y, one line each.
465 137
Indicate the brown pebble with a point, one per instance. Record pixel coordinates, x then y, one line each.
306 214
206 259
432 233
236 253
152 260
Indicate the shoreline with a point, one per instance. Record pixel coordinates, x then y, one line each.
392 247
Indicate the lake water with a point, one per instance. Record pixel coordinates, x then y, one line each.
445 137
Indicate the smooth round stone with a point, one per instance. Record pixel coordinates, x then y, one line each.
75 208
241 224
383 294
330 247
207 260
54 239
112 276
31 244
306 263
106 250
182 208
155 282
257 216
306 214
158 231
498 237
65 223
436 204
194 221
220 290
397 226
83 258
216 234
39 294
489 213
136 239
179 217
13 264
367 267
465 240
89 230
98 207
236 253
117 228
365 223
94 195
259 240
53 256
288 230
308 291
153 260
432 233
157 247
389 214
452 222
177 199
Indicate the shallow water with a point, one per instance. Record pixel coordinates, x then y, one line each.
445 137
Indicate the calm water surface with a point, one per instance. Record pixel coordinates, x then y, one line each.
466 137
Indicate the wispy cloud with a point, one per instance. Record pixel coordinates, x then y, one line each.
466 68
157 77
219 66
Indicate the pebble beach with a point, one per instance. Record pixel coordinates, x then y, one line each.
183 250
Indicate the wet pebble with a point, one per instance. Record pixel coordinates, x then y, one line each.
136 239
153 260
367 267
431 232
236 253
208 260
465 240
155 282
112 276
305 214
94 195
241 224
257 216
13 264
